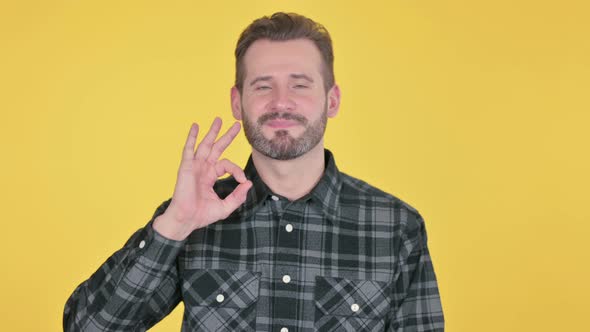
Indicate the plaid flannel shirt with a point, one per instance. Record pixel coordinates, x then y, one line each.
345 257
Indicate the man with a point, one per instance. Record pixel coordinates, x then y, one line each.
289 243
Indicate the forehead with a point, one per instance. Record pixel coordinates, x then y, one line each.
275 58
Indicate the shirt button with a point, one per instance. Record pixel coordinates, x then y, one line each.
284 329
289 228
286 279
274 198
354 307
220 298
141 244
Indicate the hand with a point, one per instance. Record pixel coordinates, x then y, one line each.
194 203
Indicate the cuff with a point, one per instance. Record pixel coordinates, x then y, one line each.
155 251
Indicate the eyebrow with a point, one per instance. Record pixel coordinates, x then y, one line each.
260 78
268 78
303 76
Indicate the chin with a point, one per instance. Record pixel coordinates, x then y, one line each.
281 132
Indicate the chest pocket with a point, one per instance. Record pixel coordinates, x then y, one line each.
220 300
350 305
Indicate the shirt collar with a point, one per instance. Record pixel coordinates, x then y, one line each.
326 193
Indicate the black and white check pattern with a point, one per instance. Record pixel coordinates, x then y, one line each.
346 257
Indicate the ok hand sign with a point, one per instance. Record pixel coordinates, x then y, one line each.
195 204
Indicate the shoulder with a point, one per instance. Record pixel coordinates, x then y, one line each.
353 187
356 192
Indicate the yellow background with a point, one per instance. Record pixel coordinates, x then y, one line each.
475 113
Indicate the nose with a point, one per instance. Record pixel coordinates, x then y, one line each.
281 100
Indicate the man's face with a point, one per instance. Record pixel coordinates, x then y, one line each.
283 105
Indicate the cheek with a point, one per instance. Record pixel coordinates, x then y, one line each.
252 105
312 105
307 98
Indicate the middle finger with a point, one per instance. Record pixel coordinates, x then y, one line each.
223 142
204 147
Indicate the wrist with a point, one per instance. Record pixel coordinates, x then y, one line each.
170 228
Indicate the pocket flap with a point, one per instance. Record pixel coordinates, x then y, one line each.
344 297
222 288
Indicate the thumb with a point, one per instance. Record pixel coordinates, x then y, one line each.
237 197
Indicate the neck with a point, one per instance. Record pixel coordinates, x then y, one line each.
293 178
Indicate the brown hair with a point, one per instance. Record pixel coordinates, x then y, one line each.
281 27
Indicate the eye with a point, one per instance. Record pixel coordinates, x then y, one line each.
300 86
262 87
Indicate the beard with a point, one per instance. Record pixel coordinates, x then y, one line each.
283 146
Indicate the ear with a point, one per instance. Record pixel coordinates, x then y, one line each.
236 103
333 100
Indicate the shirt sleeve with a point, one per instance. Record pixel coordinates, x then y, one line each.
416 299
133 289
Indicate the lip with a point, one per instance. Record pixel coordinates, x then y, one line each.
281 123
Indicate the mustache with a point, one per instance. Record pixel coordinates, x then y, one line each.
285 116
